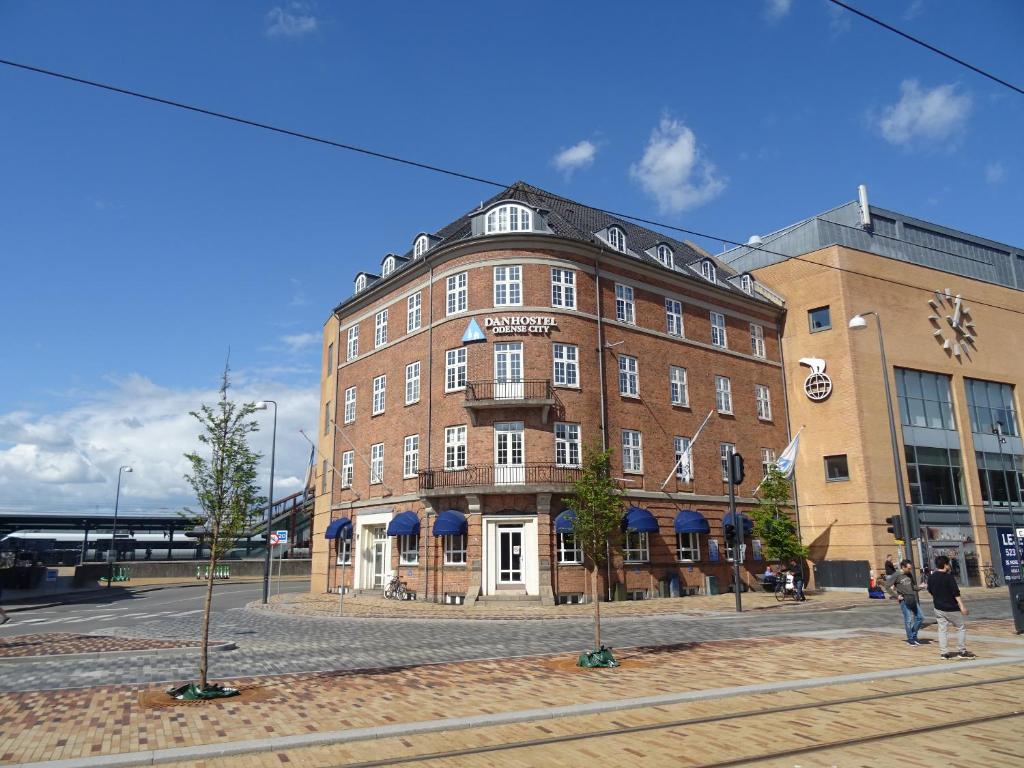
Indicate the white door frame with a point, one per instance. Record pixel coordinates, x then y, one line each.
510 385
509 473
489 552
361 547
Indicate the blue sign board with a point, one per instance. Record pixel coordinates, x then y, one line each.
282 537
1008 554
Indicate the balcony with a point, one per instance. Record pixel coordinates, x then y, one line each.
503 393
493 478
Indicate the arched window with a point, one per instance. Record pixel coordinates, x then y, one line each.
617 239
388 267
747 285
509 218
360 283
420 246
665 255
708 271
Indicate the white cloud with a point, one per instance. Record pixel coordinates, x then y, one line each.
925 115
995 172
299 342
913 10
838 19
69 459
293 19
778 8
575 158
673 170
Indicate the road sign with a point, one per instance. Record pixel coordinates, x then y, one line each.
282 536
274 540
51 574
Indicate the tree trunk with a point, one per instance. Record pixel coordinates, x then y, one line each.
597 605
204 647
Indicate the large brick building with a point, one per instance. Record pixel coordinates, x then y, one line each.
462 385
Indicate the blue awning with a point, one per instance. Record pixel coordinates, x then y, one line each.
640 520
564 521
451 522
691 521
404 524
341 527
748 524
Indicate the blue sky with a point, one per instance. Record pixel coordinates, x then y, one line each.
139 242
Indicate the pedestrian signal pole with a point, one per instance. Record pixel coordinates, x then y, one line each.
735 473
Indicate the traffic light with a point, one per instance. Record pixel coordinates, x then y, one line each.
736 468
896 527
730 532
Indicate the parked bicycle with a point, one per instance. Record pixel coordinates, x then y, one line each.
991 577
395 589
784 587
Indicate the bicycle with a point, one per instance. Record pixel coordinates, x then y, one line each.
395 589
784 587
991 577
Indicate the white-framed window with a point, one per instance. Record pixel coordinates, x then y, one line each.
635 547
323 478
508 286
455 369
327 417
723 394
388 266
344 551
350 405
380 386
411 456
455 447
747 285
684 458
377 463
767 461
674 317
665 255
412 383
632 451
563 288
347 469
455 549
718 337
708 271
508 218
409 549
330 360
421 246
458 288
566 357
687 547
360 283
724 449
677 391
629 377
352 348
414 312
757 340
569 551
764 402
617 239
380 329
624 304
567 445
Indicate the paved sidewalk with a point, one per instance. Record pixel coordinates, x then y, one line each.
107 719
62 643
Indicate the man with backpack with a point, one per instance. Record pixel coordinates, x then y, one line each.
904 588
949 609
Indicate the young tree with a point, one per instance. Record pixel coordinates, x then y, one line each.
225 486
772 523
597 523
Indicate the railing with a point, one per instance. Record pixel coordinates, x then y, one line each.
500 474
509 389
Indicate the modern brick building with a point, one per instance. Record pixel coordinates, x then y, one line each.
462 385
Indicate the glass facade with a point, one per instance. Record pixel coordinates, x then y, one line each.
935 475
989 403
1001 477
924 399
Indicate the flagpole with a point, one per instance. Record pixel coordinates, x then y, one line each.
792 472
688 451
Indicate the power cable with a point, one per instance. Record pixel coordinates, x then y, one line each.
930 47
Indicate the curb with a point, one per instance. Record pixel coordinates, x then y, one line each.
94 655
226 749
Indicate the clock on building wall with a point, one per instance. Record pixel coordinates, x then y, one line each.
952 324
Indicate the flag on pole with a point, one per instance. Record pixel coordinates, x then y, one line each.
787 461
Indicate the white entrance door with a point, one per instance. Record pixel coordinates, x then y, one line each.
377 557
508 370
510 554
509 466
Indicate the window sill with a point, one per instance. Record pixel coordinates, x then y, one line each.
631 397
769 420
412 402
632 471
378 413
453 391
820 330
681 405
566 386
454 565
576 563
636 562
687 562
838 480
725 413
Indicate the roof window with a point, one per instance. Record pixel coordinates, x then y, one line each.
747 285
360 283
708 271
509 218
388 266
420 246
665 255
617 239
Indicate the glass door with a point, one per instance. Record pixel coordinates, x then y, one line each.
510 554
508 371
379 551
509 467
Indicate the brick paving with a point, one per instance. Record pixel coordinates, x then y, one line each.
108 719
62 643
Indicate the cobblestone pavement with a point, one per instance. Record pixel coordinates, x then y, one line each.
272 644
109 719
62 643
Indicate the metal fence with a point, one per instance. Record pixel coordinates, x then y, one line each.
509 389
498 474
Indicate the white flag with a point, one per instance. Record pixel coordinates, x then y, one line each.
787 461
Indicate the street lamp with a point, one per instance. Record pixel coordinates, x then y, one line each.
112 555
859 322
262 406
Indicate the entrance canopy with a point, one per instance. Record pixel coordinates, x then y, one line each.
640 520
451 522
340 528
691 521
404 524
748 524
564 521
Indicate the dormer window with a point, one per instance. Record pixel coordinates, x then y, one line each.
617 239
747 285
388 266
360 283
665 255
420 246
509 218
708 271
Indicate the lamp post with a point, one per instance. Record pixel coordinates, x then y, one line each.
262 406
997 430
859 322
112 555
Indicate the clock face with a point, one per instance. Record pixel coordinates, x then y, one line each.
952 325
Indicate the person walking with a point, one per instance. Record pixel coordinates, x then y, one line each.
902 585
798 579
949 609
890 567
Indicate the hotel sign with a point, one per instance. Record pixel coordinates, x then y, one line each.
515 324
